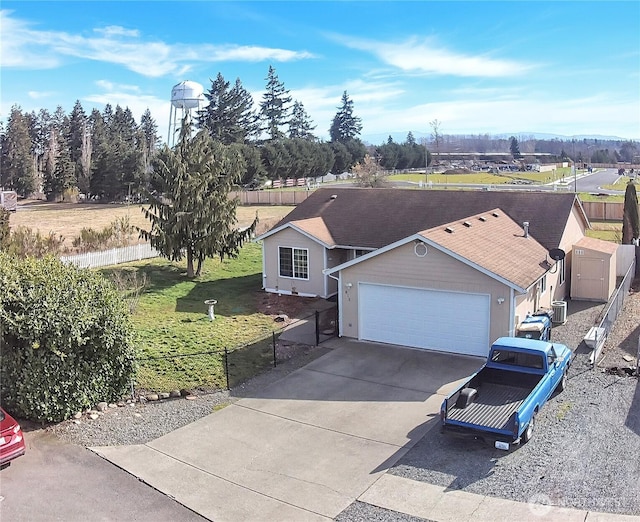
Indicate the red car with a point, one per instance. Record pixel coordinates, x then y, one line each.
11 439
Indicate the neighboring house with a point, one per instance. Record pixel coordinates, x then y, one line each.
446 270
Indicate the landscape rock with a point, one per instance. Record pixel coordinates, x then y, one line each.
184 392
102 406
174 393
78 415
94 416
163 395
152 397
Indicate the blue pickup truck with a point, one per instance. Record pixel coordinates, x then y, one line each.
500 401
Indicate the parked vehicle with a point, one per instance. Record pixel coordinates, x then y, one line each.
11 439
500 401
536 326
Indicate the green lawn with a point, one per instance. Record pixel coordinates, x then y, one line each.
171 320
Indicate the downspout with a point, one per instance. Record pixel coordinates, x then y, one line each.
325 291
339 279
512 312
264 274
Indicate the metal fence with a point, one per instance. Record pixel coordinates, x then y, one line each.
113 256
227 368
612 311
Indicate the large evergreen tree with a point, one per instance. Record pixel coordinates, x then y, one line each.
300 124
274 107
345 126
18 171
229 117
190 210
630 217
78 143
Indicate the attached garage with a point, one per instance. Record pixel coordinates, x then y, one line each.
456 322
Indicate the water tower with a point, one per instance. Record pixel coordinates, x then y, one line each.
185 97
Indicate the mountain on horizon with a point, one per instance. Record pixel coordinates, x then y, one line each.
400 137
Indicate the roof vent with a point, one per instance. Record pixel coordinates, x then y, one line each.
449 229
466 224
525 225
482 218
495 214
334 196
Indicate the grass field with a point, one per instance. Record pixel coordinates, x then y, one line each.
171 320
68 219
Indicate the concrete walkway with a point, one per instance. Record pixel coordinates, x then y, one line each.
309 445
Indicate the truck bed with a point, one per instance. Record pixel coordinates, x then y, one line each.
493 407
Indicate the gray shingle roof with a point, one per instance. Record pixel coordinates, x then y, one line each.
373 218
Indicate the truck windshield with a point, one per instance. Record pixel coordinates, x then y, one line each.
526 360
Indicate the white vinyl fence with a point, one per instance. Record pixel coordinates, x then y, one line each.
115 256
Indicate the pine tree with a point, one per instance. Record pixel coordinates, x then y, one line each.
300 124
274 108
148 143
345 126
229 117
77 142
631 217
190 210
18 171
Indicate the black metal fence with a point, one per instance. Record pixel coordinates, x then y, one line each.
227 368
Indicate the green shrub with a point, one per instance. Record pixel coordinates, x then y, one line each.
65 337
24 242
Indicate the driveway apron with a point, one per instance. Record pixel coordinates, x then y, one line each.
307 446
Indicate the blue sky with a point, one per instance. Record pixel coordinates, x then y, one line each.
565 67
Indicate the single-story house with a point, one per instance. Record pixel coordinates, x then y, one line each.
437 269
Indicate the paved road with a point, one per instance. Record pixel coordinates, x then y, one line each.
58 481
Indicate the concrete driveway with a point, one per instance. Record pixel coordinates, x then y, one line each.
308 445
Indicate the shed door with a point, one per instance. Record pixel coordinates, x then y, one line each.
590 281
453 322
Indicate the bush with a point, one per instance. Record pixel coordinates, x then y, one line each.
24 242
66 339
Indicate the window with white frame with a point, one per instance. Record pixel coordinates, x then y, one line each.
543 284
561 276
358 253
294 262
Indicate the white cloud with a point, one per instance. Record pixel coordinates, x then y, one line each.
425 56
39 95
26 47
116 30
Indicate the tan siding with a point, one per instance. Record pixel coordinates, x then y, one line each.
573 232
436 271
291 238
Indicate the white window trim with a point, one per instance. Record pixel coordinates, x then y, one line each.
543 284
561 268
293 249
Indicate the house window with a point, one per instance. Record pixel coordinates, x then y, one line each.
561 276
359 253
543 284
294 262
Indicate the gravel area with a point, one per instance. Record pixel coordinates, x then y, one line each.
585 452
138 423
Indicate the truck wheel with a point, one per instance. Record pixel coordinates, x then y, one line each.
562 384
528 432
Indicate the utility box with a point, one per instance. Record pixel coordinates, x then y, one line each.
593 270
9 200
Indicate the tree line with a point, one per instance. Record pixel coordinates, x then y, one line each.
107 155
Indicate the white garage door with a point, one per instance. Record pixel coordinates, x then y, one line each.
447 321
